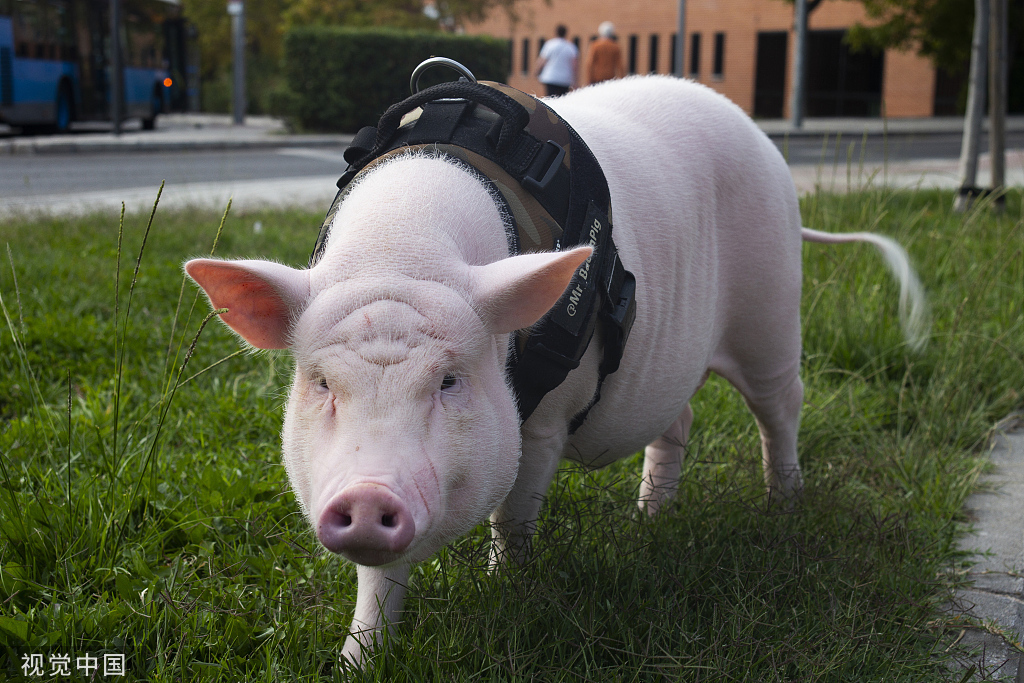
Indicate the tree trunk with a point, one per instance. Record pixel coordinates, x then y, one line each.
997 97
975 110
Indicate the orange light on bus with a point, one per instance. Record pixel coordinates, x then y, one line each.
168 82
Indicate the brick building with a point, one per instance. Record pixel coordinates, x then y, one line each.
741 48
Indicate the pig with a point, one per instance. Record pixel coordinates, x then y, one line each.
401 431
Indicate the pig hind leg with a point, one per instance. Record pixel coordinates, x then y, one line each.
765 370
663 460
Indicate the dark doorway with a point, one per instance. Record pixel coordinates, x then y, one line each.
770 79
841 82
950 93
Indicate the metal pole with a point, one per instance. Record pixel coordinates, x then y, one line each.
796 102
680 40
116 67
236 8
975 109
997 94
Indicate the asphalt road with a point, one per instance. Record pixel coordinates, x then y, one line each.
53 179
50 174
876 148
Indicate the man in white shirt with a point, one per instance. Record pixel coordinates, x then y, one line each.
556 66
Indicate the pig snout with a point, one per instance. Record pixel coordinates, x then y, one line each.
366 523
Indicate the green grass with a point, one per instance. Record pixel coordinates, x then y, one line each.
165 531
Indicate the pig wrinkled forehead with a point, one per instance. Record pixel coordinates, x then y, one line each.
410 313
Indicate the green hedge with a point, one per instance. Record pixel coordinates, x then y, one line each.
344 78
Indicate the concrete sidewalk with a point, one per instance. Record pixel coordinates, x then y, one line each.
992 609
311 193
915 174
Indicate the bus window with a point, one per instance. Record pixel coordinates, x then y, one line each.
55 61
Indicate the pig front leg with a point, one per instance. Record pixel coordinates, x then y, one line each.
379 601
515 519
663 459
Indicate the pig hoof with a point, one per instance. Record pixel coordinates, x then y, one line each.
367 524
355 656
352 652
785 500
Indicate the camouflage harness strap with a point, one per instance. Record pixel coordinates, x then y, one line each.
555 196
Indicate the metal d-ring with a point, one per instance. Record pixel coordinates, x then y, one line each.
414 80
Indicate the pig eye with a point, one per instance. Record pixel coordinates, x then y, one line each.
449 382
322 383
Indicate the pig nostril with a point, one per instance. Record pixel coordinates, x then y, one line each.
368 524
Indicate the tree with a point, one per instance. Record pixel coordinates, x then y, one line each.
397 13
937 29
263 29
940 30
267 21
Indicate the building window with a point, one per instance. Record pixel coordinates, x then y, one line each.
770 74
632 54
576 42
695 55
654 54
718 66
672 56
540 43
526 57
841 82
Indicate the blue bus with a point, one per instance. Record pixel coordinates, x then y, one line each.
55 62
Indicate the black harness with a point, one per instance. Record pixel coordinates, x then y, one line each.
555 197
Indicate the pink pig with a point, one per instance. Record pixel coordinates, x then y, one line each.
401 431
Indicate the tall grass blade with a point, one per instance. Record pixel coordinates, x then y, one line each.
195 300
119 371
166 401
17 292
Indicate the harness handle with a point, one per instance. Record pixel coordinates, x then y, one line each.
414 80
514 116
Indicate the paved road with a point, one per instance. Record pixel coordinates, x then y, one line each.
291 171
79 183
896 148
46 174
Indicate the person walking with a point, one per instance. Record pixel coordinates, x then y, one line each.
604 59
556 65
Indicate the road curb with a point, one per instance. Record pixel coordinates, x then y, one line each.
62 145
210 132
856 128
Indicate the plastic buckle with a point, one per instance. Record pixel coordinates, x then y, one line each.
347 176
534 185
619 314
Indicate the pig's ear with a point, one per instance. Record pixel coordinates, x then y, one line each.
263 298
516 292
